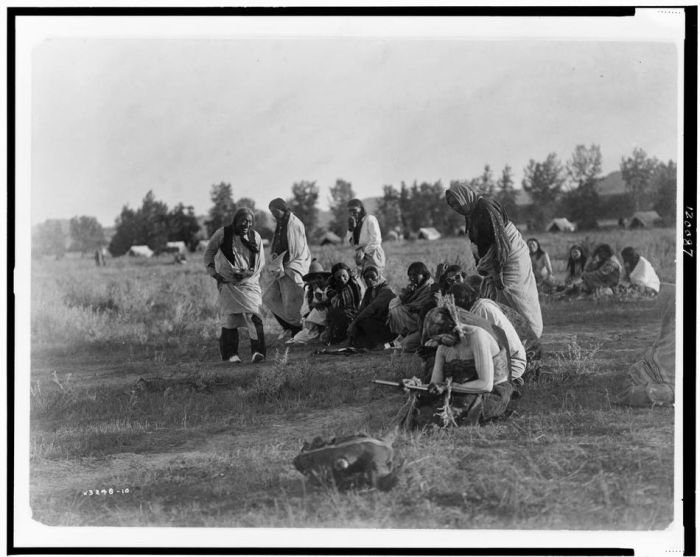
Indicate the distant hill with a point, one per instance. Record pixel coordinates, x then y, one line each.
612 184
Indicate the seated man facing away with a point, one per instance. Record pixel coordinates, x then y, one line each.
640 276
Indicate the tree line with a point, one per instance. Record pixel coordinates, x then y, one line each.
556 188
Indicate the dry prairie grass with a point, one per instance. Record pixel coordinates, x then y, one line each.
202 444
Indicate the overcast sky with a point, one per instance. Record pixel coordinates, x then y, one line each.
113 118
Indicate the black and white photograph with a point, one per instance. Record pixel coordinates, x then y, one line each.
324 278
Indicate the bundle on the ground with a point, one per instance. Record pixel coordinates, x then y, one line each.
350 462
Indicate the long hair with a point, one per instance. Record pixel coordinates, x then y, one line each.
571 263
358 225
539 252
357 203
420 268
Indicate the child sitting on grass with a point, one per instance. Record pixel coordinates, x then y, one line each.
314 310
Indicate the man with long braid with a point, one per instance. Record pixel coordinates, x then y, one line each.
365 236
284 294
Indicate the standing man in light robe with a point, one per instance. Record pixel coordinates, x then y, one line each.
235 257
283 288
365 236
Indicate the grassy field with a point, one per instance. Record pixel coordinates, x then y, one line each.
202 443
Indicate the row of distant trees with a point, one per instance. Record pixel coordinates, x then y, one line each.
557 189
571 190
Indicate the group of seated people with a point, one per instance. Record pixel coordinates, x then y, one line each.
364 311
601 273
485 347
339 308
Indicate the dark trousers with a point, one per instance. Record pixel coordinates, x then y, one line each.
258 345
286 326
370 332
228 341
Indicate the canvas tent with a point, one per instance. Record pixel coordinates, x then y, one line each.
644 219
608 223
428 234
329 238
560 225
392 236
176 247
140 251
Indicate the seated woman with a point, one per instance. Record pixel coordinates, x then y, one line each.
404 311
639 274
602 273
576 264
314 311
541 265
473 355
344 297
369 328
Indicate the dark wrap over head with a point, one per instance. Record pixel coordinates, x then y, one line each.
630 256
420 268
278 203
375 270
372 268
483 217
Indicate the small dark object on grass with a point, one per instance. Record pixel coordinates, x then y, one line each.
349 351
350 462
